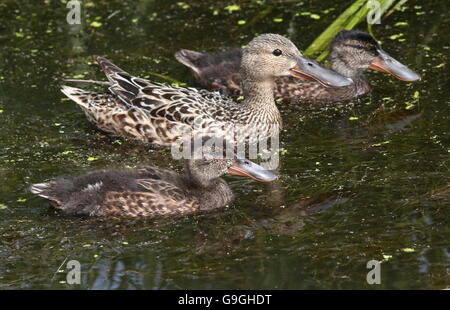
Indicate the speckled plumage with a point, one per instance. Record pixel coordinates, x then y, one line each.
144 191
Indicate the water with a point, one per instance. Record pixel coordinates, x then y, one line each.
360 181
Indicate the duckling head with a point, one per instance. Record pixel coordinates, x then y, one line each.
204 171
353 51
210 161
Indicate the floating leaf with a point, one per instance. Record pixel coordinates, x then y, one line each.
387 257
409 105
183 5
381 143
408 250
96 24
353 118
241 22
232 8
396 36
315 16
92 158
278 20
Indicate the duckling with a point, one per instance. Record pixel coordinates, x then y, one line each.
149 191
352 52
160 114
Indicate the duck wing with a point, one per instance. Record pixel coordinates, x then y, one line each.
153 197
169 103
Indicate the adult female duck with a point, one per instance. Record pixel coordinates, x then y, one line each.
161 114
149 191
352 52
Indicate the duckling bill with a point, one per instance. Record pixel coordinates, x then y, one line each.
149 191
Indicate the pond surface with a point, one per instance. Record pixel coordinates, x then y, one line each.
358 181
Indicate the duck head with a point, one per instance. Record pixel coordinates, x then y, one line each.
353 51
211 158
270 55
204 171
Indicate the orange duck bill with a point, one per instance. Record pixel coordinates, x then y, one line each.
307 69
387 64
246 168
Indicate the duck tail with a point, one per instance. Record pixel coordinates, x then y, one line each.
190 59
123 85
80 96
109 68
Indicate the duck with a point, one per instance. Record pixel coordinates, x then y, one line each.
160 114
351 53
149 191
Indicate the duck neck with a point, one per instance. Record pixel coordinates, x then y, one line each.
360 84
258 93
206 186
215 195
260 101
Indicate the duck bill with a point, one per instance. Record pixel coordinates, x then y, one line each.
307 69
245 168
387 64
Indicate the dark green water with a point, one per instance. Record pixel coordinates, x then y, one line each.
362 181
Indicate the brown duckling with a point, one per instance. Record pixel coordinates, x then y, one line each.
352 52
149 191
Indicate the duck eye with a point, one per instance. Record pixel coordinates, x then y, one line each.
277 52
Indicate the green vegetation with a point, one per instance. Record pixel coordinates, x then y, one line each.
352 16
